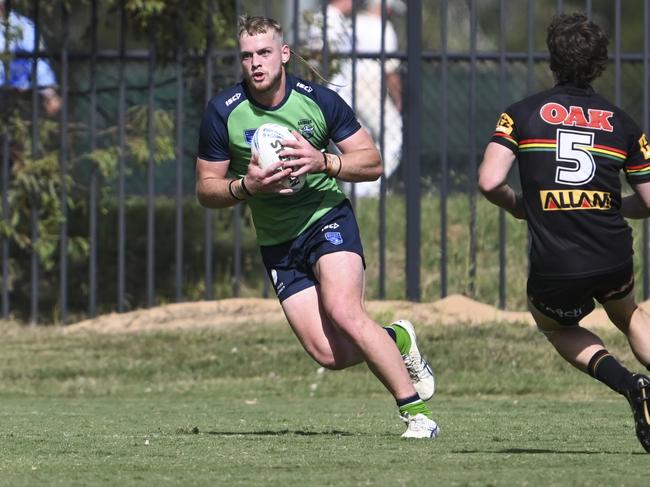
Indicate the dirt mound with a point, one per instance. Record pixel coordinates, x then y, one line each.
452 310
200 314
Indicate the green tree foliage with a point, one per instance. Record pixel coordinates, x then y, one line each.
36 183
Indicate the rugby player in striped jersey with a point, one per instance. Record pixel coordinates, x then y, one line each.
571 145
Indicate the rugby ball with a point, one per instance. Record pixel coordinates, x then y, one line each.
267 145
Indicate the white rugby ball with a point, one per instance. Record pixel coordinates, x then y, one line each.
267 145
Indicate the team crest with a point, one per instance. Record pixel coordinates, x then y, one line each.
334 238
645 148
505 124
306 128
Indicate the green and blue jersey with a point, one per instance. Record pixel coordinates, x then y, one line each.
318 113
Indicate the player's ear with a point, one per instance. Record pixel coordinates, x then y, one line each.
286 53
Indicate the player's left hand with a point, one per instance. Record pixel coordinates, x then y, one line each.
306 158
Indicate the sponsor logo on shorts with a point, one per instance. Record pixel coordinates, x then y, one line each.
564 313
574 199
279 287
334 237
331 226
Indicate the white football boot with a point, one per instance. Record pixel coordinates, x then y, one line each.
419 426
418 368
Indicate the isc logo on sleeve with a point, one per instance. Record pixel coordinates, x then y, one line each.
233 99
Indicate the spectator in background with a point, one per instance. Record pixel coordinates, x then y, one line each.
368 87
368 74
339 40
21 38
339 27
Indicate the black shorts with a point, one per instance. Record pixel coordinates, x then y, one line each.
289 264
567 301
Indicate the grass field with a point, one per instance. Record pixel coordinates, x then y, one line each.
246 407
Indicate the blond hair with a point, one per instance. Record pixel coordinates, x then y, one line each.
259 25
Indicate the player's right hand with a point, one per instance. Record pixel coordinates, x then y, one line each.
266 180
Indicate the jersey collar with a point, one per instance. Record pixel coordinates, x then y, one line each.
574 90
289 84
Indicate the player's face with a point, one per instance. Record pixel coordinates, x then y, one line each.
262 57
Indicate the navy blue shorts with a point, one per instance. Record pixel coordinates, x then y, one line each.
290 264
567 301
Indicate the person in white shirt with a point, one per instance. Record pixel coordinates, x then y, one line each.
367 93
368 87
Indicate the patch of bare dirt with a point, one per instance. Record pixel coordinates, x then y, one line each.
452 310
178 316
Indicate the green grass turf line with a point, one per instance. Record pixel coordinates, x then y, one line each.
247 407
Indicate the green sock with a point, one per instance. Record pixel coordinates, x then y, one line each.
400 336
416 407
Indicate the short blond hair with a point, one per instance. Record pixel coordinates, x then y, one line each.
259 25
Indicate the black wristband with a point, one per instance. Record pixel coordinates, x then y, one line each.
231 191
243 186
340 166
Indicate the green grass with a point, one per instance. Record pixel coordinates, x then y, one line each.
247 407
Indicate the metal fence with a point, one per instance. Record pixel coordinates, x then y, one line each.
462 63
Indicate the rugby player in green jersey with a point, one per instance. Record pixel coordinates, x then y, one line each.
571 145
309 239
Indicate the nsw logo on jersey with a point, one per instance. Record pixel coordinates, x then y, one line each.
574 199
248 135
575 116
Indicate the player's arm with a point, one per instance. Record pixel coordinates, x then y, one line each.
493 177
637 205
359 159
215 190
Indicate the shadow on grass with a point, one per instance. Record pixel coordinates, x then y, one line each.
285 432
510 451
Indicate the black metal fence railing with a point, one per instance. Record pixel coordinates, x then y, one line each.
97 199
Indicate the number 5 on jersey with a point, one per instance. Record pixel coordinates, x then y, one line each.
573 147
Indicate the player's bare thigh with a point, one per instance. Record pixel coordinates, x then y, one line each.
342 281
620 311
324 342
